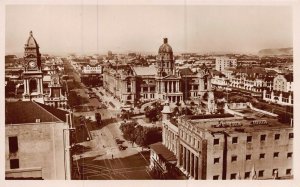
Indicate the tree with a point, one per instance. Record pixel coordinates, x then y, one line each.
98 118
140 136
153 113
10 88
128 130
219 94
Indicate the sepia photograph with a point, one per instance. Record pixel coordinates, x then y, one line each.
148 92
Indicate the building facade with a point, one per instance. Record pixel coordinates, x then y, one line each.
230 146
160 82
33 76
281 91
225 62
37 142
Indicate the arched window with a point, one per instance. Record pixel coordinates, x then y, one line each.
33 85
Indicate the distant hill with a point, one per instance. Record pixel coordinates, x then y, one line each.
276 52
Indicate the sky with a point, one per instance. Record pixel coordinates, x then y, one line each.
90 29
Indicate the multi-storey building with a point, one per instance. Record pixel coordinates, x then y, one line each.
162 81
281 91
216 147
37 142
225 62
91 73
33 77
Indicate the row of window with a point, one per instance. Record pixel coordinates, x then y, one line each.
151 96
248 174
188 138
249 156
249 138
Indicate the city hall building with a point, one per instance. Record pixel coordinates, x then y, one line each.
162 81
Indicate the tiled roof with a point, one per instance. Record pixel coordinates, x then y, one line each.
289 77
162 151
218 73
28 112
150 70
185 71
269 79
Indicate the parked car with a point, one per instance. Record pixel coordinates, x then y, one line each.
122 147
118 141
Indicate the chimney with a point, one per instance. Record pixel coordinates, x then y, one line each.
165 40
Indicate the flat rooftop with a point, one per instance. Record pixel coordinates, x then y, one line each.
253 121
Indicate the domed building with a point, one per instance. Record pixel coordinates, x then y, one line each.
167 81
159 82
165 61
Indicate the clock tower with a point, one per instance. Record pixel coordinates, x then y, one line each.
32 75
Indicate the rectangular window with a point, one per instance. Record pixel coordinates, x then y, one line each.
276 155
249 139
233 158
289 155
263 137
14 163
216 141
233 176
288 171
277 136
234 140
291 135
262 156
13 144
248 157
216 160
215 177
247 175
261 173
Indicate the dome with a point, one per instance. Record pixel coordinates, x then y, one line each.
165 47
31 42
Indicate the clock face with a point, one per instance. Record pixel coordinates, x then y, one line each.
32 64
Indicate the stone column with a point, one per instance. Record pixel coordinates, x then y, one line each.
192 165
184 158
27 82
188 161
178 153
172 86
168 88
42 89
196 167
25 86
163 134
38 86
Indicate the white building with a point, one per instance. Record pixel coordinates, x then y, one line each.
225 62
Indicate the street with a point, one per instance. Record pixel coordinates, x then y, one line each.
100 157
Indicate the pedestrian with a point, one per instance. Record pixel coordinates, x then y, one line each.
112 156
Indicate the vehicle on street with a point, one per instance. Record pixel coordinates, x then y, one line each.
122 147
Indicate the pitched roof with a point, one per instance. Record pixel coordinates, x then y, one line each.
139 71
289 77
185 71
216 72
28 112
163 152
